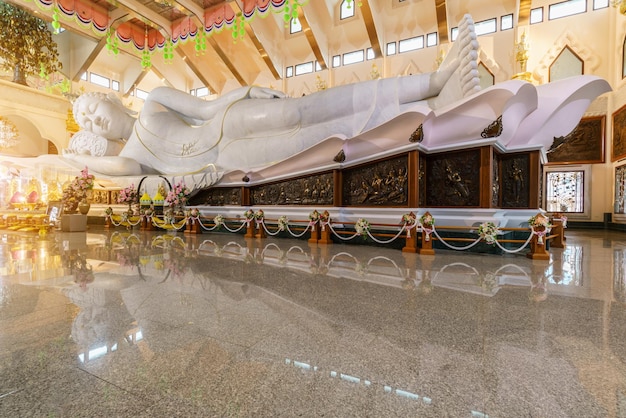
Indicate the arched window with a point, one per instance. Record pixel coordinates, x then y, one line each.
567 64
486 77
295 26
347 9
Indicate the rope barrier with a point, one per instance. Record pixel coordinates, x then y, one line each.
487 231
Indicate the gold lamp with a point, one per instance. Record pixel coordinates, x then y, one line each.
8 133
621 4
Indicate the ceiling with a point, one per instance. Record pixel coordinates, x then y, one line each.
262 48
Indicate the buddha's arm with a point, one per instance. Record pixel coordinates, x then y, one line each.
107 165
193 108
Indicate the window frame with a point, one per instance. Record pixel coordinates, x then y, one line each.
556 6
586 201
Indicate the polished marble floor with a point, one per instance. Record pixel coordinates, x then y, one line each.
118 324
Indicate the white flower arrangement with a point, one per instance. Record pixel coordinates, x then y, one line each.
540 226
249 214
427 220
259 215
362 227
282 223
314 216
409 218
218 220
539 221
488 231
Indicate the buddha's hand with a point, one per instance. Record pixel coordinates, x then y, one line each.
69 154
266 93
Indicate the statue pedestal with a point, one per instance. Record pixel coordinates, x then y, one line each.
74 223
525 76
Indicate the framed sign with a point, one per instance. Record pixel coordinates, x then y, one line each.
584 145
55 210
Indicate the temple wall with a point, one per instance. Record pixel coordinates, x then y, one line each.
39 117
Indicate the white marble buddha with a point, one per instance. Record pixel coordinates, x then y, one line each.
254 127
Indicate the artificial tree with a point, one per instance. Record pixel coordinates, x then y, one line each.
26 44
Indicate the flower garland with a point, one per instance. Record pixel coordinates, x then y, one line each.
249 216
283 221
314 218
259 216
362 227
540 226
427 223
324 219
218 221
410 221
488 231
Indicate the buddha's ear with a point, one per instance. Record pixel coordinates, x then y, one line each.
114 99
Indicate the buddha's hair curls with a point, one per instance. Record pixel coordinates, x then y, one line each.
110 97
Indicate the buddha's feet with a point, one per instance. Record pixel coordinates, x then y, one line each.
458 73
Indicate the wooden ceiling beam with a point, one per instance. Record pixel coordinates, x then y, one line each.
442 21
310 37
372 33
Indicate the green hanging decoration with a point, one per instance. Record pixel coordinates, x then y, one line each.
56 25
42 72
238 27
112 45
200 42
290 12
350 3
168 52
287 13
145 55
145 59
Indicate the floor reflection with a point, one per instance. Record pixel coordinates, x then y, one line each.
451 333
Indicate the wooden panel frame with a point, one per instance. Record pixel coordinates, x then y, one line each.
584 145
618 149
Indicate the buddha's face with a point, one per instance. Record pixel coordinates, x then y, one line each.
102 117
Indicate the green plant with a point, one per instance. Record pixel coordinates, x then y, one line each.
26 44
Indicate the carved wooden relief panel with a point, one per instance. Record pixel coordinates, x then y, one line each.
453 179
421 179
620 189
515 181
312 190
495 181
380 184
618 151
219 196
585 144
